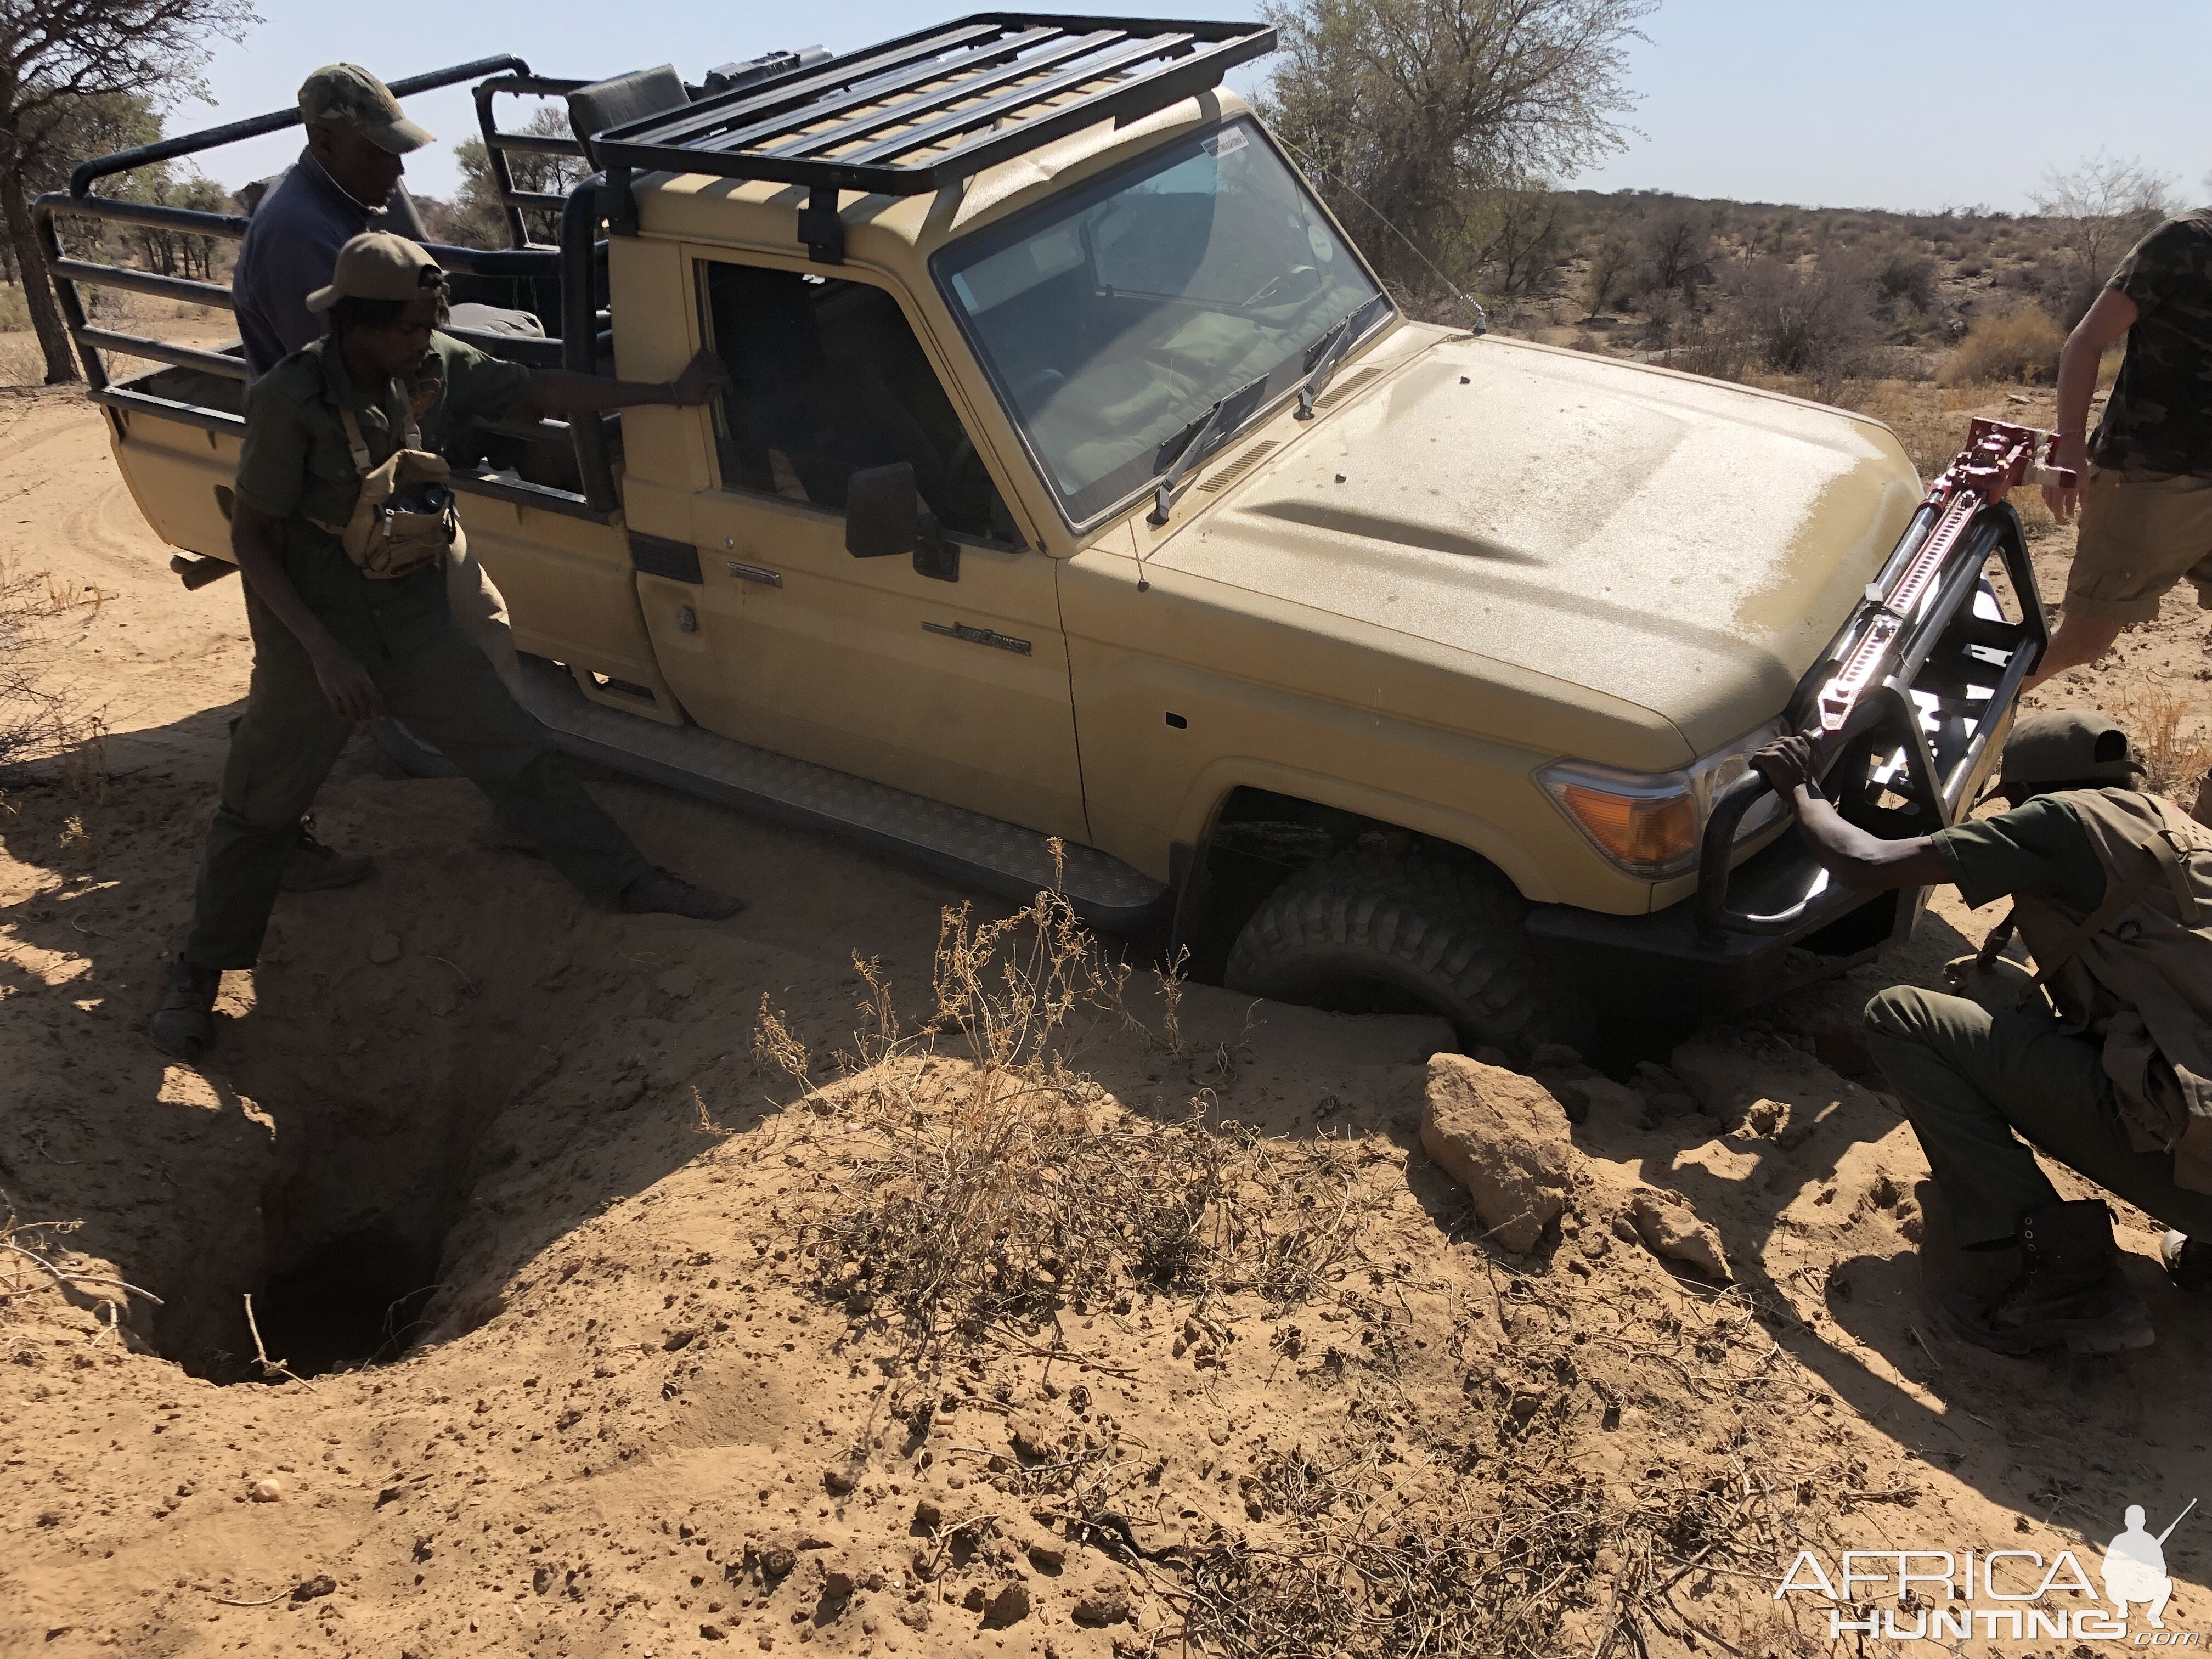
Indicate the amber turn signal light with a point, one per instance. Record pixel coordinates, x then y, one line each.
1643 833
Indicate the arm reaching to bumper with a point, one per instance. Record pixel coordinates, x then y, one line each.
1865 863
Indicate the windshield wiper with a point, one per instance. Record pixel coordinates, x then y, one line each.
1338 343
1193 452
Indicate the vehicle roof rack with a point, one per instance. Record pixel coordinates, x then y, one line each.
908 115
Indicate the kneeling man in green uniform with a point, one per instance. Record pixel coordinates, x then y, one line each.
347 608
2102 1060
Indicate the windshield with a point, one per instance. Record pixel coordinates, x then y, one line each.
1114 319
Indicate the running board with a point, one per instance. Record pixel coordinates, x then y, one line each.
982 852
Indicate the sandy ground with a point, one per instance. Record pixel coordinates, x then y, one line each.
638 1415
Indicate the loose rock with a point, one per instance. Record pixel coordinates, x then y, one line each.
383 949
1009 1607
1673 1233
1107 1603
1766 1117
1503 1137
267 1490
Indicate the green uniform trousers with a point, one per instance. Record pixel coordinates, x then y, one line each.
1976 1084
434 678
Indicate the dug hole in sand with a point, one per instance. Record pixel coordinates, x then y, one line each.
856 1277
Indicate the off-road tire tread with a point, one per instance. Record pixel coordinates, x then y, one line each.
1450 933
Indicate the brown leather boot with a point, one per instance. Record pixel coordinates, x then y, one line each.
2070 1290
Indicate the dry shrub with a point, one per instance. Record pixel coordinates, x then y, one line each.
1813 320
38 722
2166 731
2021 347
991 1183
1712 347
22 363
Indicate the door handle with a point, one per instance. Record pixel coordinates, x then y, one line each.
979 636
754 572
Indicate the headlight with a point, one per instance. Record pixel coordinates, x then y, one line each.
1650 823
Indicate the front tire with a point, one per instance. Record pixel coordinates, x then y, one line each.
1367 931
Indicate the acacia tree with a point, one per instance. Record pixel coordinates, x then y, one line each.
2103 208
1677 248
54 56
1526 240
1413 111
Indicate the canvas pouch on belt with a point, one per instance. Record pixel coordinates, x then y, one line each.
386 538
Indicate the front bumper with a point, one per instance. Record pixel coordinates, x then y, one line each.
1912 758
1665 964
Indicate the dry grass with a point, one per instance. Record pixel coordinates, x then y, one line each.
2020 347
22 363
990 1183
37 721
2166 730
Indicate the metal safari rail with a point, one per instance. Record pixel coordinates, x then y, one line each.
575 263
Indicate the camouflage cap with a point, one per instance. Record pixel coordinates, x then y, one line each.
378 265
2068 746
349 94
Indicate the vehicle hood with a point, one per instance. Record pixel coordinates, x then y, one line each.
1678 543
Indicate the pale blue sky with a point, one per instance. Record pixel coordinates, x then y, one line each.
1881 103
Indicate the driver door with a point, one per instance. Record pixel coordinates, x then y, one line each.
956 689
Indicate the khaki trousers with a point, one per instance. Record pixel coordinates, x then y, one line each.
481 611
1983 1091
433 678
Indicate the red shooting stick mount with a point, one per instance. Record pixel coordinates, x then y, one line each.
1997 457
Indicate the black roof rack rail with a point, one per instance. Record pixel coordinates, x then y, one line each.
908 115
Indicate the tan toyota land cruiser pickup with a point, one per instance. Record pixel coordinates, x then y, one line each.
1078 482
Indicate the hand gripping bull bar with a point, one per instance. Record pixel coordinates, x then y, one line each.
1862 691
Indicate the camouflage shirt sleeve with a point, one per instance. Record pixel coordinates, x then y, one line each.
2166 260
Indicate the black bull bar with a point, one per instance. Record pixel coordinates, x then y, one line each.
1925 731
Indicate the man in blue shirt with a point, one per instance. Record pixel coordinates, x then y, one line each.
343 184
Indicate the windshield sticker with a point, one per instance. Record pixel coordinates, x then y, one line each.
1322 244
1224 144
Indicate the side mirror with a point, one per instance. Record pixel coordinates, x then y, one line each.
884 516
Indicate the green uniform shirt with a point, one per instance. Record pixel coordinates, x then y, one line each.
2038 846
294 465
